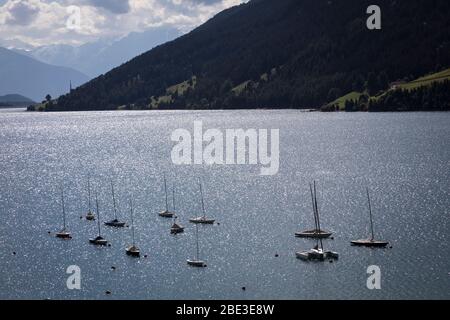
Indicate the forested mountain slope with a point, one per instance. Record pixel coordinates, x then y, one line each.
278 54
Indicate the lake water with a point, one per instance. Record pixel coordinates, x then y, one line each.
403 157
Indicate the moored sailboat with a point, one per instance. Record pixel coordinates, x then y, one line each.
90 215
99 240
197 262
64 233
115 222
132 250
371 242
176 227
202 219
166 213
315 233
316 253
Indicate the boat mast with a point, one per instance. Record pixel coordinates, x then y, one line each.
370 213
63 208
114 200
314 208
203 203
317 214
173 203
98 214
165 190
89 192
196 235
132 222
173 197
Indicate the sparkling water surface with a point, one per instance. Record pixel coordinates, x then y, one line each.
404 158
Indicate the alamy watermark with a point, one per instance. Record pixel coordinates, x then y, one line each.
374 20
234 146
374 279
73 21
74 280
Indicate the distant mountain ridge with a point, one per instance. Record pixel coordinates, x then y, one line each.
96 58
13 100
28 77
278 54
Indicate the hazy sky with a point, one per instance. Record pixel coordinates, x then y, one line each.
42 22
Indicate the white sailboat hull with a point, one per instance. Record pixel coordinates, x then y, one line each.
369 243
99 241
64 235
316 234
115 223
316 254
133 251
176 228
90 216
166 214
202 220
196 263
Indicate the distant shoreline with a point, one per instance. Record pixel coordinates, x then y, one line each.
13 107
237 109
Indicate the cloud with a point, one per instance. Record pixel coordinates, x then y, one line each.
114 6
22 13
207 2
44 22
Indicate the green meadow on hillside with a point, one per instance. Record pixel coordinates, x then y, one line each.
352 99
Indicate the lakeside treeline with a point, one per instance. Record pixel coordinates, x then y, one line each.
432 97
435 97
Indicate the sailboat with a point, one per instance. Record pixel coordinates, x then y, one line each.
371 242
166 213
203 219
176 227
99 240
132 250
115 222
316 253
315 233
196 262
90 215
63 234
